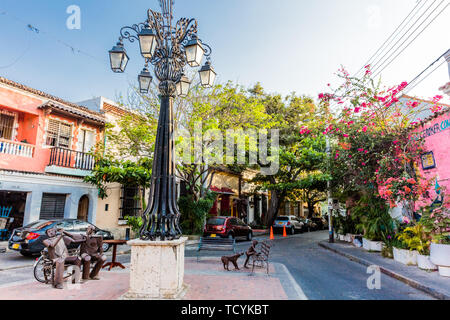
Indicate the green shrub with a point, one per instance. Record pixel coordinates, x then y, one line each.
194 213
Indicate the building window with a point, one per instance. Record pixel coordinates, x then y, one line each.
59 134
131 201
6 126
52 206
87 141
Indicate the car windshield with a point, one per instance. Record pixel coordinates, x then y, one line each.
39 225
216 221
283 219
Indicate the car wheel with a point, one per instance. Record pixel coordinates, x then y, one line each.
250 236
292 231
106 247
230 236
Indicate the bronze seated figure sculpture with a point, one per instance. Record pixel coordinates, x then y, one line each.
59 254
92 251
251 252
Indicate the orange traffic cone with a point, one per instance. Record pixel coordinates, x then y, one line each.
284 232
271 234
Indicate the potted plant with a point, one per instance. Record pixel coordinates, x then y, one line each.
439 227
417 239
338 226
374 221
403 250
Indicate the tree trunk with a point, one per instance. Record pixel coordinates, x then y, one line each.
310 209
275 200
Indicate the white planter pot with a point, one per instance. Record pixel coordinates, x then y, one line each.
348 237
341 237
440 256
405 256
372 245
424 263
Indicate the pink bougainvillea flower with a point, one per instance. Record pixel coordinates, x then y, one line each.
345 135
364 129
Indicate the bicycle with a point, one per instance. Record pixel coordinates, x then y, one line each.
44 268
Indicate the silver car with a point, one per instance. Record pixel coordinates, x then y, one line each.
292 224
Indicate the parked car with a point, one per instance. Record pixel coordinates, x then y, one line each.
322 223
227 227
308 225
292 224
28 240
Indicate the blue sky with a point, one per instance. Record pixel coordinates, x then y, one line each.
287 45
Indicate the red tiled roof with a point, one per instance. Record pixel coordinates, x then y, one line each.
78 109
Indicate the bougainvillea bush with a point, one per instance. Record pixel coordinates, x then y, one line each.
373 150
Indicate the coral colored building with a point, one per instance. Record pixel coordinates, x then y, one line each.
44 154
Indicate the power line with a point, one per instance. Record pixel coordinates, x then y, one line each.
396 46
390 62
425 70
37 30
381 48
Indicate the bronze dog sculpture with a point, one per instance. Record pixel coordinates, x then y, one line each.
233 259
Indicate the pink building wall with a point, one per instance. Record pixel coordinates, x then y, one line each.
437 140
32 126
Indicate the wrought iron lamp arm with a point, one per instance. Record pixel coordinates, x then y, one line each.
127 33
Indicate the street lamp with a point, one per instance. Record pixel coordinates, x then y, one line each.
118 58
207 75
182 86
145 79
194 52
147 42
169 48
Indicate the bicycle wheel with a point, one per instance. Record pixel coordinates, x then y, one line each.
42 271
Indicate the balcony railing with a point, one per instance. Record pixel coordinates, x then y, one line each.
67 158
16 148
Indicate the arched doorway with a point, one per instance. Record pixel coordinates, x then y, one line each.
83 208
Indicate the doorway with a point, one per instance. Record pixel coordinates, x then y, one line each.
15 203
83 208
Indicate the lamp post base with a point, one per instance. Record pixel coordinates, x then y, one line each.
157 269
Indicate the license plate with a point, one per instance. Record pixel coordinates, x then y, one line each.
213 236
16 246
280 223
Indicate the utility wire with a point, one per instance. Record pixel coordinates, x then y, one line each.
390 62
425 70
380 61
393 36
72 48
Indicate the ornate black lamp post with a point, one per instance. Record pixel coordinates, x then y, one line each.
169 49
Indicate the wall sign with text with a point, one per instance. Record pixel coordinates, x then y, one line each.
428 161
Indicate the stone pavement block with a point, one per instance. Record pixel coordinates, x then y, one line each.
228 287
206 280
111 286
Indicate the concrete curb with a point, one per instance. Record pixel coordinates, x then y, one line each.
413 283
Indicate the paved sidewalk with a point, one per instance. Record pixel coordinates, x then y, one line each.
429 282
206 280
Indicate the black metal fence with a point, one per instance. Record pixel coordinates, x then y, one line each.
67 158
